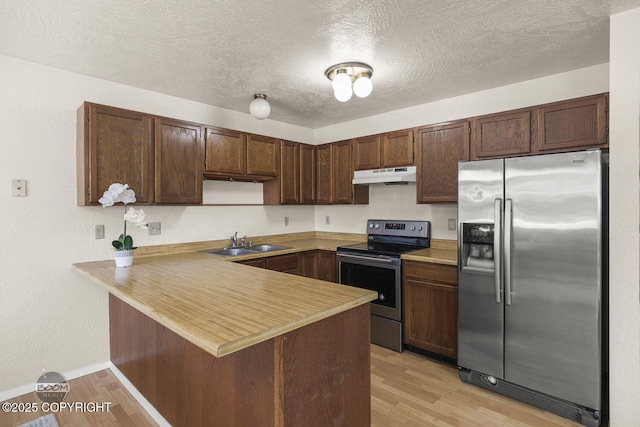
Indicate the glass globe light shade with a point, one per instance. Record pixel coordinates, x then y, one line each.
362 87
343 94
341 81
259 107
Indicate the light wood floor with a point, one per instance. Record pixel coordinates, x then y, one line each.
406 390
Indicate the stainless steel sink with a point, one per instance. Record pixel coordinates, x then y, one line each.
246 251
230 251
267 248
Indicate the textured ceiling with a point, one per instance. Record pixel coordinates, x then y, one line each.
221 52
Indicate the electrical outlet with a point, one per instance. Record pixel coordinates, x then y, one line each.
452 224
154 228
327 220
19 188
286 221
98 231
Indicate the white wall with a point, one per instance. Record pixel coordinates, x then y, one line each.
624 136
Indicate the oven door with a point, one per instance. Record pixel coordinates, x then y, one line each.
380 274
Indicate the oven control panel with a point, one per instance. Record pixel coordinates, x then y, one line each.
399 228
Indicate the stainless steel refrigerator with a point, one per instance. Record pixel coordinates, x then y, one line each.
532 283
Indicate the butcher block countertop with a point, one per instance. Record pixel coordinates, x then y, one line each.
221 306
440 252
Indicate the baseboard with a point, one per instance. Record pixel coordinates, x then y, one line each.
70 375
157 417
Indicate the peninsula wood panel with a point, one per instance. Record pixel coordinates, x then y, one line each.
397 149
225 151
501 135
326 370
178 162
439 149
187 385
317 375
114 145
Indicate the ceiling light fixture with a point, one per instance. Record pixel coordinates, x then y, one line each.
259 107
349 78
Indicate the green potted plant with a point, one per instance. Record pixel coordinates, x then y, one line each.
121 193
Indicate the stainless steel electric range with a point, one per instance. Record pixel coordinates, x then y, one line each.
376 265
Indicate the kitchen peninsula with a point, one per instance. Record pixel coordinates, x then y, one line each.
211 342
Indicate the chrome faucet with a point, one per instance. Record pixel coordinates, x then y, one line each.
244 238
234 240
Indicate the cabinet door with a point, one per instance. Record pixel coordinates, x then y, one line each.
262 156
431 307
114 145
326 266
179 165
366 153
397 149
284 263
501 135
225 151
289 173
307 264
439 148
573 125
324 173
259 262
342 172
307 174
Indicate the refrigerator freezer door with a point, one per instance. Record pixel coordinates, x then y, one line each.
552 332
480 311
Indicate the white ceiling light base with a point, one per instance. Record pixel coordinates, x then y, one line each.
348 78
259 107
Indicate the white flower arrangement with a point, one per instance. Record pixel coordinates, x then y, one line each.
121 193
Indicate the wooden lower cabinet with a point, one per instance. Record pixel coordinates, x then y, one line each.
430 293
317 375
317 264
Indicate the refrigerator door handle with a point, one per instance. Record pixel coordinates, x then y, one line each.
497 248
508 219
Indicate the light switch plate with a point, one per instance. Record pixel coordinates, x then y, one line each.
99 231
452 224
154 228
19 188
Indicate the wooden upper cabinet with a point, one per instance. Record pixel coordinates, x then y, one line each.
114 145
392 149
225 151
307 174
178 162
366 153
290 172
439 148
573 124
324 174
342 172
397 149
501 135
262 156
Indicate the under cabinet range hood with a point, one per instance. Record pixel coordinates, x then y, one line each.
402 175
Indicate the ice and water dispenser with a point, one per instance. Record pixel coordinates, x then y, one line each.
477 247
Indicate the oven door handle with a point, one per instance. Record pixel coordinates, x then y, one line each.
366 258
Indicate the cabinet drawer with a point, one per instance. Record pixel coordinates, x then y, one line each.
288 263
432 272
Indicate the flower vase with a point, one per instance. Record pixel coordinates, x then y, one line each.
124 258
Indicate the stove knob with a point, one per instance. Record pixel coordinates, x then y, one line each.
377 226
381 297
419 228
371 225
413 227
